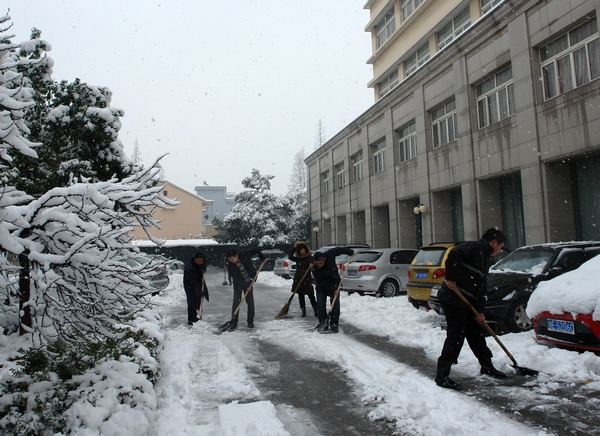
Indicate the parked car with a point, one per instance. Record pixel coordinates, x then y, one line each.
564 308
426 271
284 267
512 279
343 258
271 256
381 271
158 279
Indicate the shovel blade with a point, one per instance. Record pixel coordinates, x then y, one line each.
225 326
521 370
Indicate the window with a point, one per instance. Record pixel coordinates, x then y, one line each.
495 98
443 121
325 180
357 166
388 83
379 157
408 7
571 60
486 5
454 28
416 59
407 140
385 27
340 175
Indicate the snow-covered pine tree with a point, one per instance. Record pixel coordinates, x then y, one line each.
260 218
78 239
72 240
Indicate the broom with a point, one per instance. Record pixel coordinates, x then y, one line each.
286 307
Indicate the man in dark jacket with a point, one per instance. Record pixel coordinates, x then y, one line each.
467 267
242 272
194 285
327 279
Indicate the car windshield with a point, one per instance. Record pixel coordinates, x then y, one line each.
526 261
430 256
367 256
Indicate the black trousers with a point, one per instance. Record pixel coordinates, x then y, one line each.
461 326
237 297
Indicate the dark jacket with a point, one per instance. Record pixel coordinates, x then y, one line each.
302 266
192 281
327 277
468 265
245 257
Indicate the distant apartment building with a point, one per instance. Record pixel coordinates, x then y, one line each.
221 201
486 113
183 221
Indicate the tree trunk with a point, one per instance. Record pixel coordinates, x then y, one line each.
24 293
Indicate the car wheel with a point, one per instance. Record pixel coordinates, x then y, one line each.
518 321
389 288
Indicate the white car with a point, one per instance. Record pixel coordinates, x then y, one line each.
379 271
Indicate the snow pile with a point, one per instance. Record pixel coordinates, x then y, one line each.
576 292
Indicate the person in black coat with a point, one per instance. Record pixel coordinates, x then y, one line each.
327 279
467 267
193 276
300 254
242 272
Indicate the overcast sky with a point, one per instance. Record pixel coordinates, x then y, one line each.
223 87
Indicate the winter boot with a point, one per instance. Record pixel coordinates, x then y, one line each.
488 369
442 377
192 316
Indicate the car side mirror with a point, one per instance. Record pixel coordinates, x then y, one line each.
555 271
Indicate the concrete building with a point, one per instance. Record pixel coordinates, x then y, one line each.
183 221
486 113
221 201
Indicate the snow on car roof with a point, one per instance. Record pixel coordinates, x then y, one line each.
576 292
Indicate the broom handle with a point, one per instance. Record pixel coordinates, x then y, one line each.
485 324
249 288
301 280
337 291
202 298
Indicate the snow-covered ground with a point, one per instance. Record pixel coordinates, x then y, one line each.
206 389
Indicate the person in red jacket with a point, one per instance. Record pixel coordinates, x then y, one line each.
467 268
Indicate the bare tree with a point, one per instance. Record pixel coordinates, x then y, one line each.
298 176
321 136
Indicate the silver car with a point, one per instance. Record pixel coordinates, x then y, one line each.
379 271
285 268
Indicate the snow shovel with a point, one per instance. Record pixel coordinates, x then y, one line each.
224 271
325 325
226 326
286 307
521 370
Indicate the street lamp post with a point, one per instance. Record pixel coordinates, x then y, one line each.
316 230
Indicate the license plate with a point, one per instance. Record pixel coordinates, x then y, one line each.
560 326
421 275
351 273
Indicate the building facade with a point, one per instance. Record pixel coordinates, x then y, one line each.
486 113
183 221
221 201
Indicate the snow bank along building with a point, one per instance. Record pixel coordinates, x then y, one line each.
486 113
